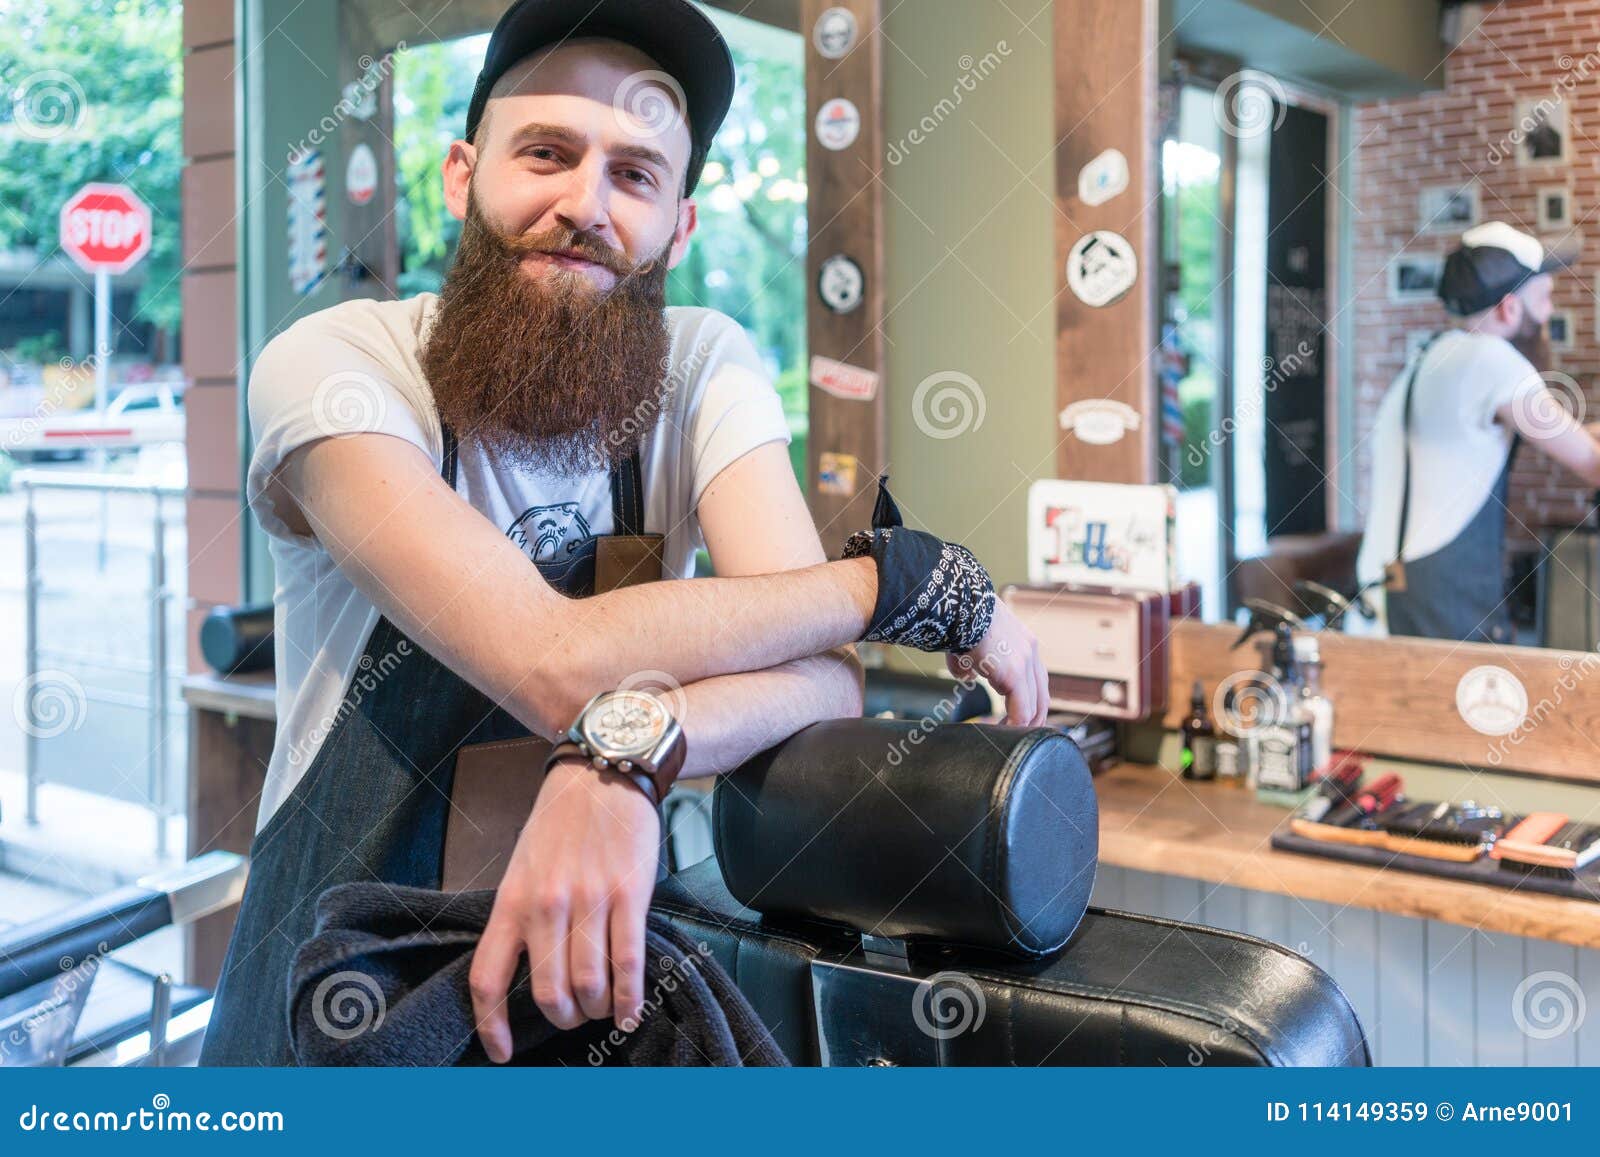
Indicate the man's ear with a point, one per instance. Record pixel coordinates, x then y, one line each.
688 220
457 172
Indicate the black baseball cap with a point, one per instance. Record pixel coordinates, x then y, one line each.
674 33
1492 261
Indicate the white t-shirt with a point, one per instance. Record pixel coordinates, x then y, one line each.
1458 449
354 368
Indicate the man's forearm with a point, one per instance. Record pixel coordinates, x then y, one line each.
700 629
730 718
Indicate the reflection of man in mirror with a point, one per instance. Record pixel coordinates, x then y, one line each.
1447 431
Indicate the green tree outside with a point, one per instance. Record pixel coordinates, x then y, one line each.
94 92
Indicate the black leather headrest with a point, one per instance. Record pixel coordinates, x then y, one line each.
962 833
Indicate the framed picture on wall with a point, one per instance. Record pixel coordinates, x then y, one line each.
1415 277
1541 132
1560 329
1555 207
1449 208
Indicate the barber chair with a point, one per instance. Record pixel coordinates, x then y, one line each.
893 893
884 892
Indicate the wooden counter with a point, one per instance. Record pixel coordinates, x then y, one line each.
1153 821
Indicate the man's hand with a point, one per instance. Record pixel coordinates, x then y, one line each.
575 898
1008 657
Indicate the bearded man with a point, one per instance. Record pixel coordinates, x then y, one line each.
1447 433
412 458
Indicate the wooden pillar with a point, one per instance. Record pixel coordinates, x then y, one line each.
1107 64
844 265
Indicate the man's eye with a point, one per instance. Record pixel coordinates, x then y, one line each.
637 176
542 153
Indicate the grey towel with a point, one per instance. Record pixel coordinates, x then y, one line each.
383 981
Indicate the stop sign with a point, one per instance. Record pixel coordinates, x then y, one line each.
106 228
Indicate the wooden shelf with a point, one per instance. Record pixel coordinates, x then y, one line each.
1153 821
252 696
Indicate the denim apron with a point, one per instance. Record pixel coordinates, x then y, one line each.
1458 591
373 804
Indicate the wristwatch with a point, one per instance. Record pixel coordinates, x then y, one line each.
630 732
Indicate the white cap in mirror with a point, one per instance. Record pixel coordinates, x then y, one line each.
1526 248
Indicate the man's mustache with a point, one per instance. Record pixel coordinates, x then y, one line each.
564 240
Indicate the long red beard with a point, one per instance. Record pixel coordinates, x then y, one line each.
550 373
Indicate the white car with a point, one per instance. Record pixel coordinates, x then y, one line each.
140 415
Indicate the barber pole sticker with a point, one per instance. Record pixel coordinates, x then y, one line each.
852 383
308 221
361 174
838 124
1102 268
836 474
836 32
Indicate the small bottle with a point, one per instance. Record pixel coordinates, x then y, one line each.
1282 746
1199 739
1230 750
1308 658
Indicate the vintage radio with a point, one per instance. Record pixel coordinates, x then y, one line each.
1105 650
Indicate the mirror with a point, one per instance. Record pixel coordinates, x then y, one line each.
1306 232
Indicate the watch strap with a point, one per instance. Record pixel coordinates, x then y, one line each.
654 786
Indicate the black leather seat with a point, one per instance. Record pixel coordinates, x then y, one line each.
991 955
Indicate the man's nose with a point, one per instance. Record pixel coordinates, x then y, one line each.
582 205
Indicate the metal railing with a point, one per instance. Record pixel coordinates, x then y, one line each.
158 700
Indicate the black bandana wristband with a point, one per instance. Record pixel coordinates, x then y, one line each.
932 595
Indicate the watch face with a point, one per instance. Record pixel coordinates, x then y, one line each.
625 723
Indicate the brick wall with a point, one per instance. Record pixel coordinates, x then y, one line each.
210 306
1523 50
